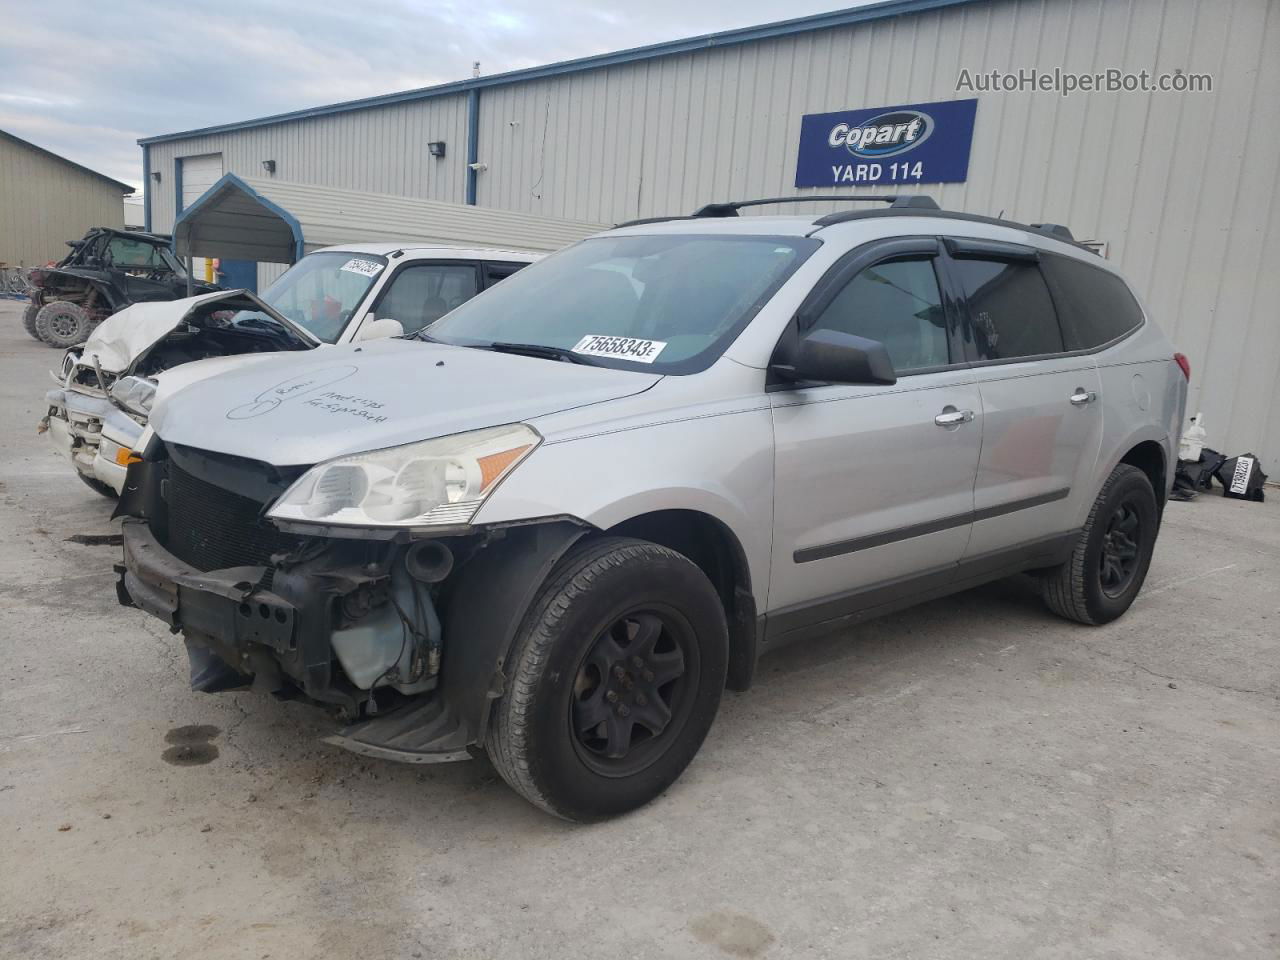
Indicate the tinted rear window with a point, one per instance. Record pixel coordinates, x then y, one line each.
1009 308
1095 306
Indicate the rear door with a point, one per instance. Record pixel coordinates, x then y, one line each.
873 484
1042 422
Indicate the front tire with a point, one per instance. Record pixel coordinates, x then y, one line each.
616 675
63 324
1110 560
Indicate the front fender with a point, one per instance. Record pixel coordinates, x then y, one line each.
721 466
488 602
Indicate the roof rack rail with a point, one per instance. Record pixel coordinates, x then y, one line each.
1054 230
730 209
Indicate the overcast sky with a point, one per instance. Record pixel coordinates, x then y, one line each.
86 78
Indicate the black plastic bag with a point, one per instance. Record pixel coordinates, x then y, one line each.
1241 477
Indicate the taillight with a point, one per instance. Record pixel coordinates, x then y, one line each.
1181 360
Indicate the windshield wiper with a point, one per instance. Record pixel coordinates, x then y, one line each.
538 350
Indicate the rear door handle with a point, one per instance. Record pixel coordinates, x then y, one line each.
1081 397
950 417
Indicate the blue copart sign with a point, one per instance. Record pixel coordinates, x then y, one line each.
915 143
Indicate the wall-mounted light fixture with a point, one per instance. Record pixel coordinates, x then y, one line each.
269 166
436 148
155 175
479 167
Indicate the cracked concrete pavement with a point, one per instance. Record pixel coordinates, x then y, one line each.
971 778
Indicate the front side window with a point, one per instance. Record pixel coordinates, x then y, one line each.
322 290
1010 312
417 296
898 304
685 296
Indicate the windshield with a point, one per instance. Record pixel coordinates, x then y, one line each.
675 300
320 292
129 254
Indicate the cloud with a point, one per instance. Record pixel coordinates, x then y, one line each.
135 68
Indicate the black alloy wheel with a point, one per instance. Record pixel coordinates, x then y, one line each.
1118 559
633 686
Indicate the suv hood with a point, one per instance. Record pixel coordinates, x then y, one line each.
298 409
125 337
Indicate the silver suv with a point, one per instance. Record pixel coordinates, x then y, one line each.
556 524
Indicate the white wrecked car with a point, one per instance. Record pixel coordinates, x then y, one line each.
337 295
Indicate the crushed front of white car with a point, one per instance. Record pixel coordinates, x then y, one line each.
106 388
94 419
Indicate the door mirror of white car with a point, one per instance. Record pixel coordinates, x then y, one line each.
830 356
381 328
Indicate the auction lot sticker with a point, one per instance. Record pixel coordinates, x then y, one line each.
369 268
620 348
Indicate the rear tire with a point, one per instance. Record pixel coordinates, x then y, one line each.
616 675
1110 559
29 319
63 324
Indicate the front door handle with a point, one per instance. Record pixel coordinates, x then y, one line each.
950 417
1082 396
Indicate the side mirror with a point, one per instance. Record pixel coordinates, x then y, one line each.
381 328
829 356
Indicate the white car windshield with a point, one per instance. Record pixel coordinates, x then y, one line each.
668 303
322 291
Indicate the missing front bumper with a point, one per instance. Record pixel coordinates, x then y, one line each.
230 619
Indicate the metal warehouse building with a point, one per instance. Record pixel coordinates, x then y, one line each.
46 200
1178 188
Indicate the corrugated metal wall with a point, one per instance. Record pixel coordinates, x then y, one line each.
382 150
1182 187
44 203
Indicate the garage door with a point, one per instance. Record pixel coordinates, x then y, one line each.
198 175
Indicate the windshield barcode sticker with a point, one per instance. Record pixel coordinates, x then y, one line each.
369 268
620 348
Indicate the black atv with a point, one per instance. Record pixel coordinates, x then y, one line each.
106 271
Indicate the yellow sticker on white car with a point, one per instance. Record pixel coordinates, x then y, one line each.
619 348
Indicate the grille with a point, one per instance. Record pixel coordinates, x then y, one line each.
211 528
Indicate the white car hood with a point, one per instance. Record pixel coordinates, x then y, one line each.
123 337
301 408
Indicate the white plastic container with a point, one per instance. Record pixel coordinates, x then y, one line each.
1192 441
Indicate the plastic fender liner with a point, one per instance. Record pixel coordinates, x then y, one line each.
493 593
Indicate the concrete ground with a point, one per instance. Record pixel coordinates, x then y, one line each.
970 779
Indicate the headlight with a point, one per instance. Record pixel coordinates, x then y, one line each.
135 394
439 482
69 361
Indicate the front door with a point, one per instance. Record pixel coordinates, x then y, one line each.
874 484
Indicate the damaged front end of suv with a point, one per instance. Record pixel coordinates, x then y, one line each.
337 583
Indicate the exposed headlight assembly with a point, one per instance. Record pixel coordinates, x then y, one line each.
432 483
135 395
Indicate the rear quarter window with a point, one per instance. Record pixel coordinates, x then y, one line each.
1094 305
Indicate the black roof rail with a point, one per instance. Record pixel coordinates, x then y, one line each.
1054 230
731 208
